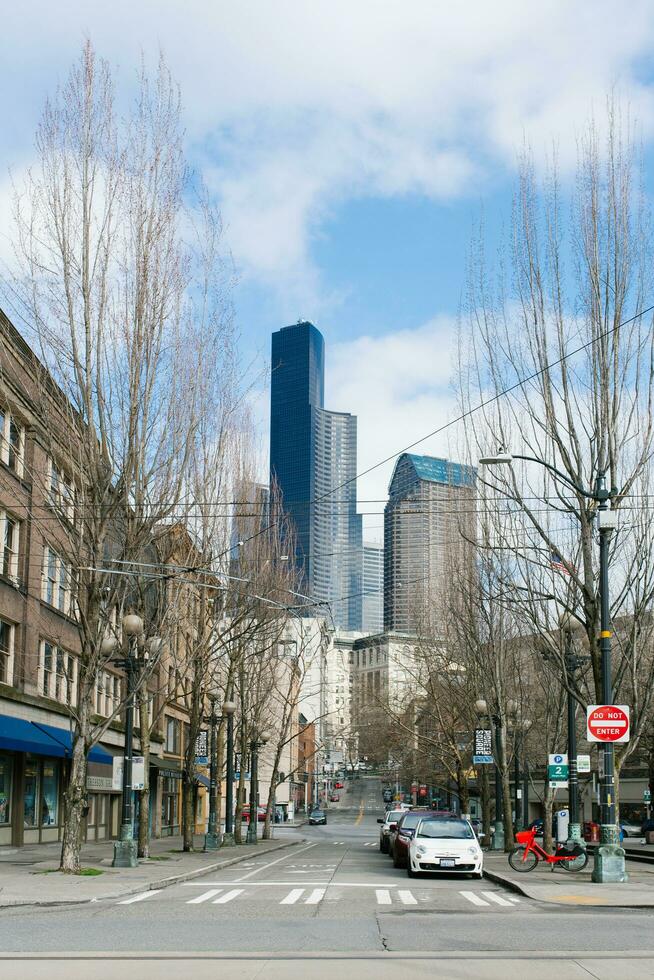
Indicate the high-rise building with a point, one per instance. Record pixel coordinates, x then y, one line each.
373 588
313 455
429 524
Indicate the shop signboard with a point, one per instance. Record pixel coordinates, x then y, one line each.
202 748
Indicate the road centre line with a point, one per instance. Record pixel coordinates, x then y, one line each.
284 857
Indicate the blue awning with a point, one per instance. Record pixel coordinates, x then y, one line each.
20 735
202 780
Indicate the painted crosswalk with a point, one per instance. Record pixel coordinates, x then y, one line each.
488 899
313 895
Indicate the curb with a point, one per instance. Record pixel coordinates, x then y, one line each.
158 885
513 886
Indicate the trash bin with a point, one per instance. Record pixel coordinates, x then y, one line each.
591 832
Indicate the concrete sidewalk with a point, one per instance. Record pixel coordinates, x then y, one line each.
28 875
567 888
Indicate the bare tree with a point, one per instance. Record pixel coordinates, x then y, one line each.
560 355
108 282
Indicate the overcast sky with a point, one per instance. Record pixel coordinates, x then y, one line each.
353 146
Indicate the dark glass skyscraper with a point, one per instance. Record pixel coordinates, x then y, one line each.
313 451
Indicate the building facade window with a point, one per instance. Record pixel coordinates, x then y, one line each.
57 673
57 582
6 780
7 635
61 492
12 442
10 536
41 793
107 693
169 791
173 733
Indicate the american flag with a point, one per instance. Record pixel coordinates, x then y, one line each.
557 562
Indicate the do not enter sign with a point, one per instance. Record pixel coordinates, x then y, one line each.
607 723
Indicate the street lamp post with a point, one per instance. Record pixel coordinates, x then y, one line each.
498 837
609 864
126 848
212 837
255 745
229 707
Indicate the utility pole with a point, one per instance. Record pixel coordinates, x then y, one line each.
212 837
609 864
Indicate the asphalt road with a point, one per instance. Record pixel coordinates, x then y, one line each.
334 893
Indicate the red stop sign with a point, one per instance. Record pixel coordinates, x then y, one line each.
607 723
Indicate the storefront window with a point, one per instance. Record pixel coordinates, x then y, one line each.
50 794
31 794
5 788
169 802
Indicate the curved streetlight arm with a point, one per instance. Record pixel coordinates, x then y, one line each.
599 495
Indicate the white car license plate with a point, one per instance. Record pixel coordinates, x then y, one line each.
447 862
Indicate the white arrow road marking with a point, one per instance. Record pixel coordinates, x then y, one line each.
205 896
228 896
496 898
407 898
292 896
474 898
315 896
383 896
139 897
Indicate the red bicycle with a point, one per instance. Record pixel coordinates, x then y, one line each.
526 855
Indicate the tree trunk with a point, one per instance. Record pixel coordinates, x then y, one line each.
462 788
240 793
188 815
507 805
220 765
75 800
267 827
144 802
548 806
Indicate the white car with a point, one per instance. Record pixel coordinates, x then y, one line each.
445 844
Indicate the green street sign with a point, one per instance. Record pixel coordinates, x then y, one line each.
647 796
558 769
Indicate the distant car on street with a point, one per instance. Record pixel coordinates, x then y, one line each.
392 817
338 785
630 829
317 817
334 798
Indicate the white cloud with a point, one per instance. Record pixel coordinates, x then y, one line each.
295 107
398 386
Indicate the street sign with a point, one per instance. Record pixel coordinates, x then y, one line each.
482 760
647 796
558 769
483 741
138 772
583 763
607 723
202 748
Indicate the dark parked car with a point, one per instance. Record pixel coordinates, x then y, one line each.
317 816
400 838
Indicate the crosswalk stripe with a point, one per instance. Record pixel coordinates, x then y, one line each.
139 897
228 896
315 896
513 898
205 896
383 896
498 899
474 898
407 898
292 896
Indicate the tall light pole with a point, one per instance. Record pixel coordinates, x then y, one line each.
212 837
126 848
609 864
229 707
572 663
255 744
498 837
